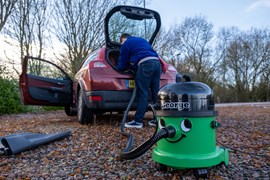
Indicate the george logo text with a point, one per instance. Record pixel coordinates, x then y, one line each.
175 105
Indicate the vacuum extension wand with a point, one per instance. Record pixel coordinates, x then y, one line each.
122 129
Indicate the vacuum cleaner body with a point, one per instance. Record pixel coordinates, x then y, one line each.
189 108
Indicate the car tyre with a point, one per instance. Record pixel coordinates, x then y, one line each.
69 111
85 115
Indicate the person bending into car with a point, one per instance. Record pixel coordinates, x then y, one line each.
136 54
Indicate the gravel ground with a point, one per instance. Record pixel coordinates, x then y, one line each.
92 151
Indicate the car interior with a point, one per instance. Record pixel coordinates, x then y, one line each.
113 55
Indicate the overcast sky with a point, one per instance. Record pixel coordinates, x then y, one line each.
222 13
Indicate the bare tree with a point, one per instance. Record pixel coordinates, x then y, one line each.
165 46
264 86
20 29
27 26
192 42
6 8
257 53
42 16
79 26
245 61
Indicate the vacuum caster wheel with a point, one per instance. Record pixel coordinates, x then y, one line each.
201 173
161 167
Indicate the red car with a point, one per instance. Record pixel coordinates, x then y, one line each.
97 87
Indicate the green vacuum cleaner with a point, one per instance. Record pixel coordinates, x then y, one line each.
189 108
185 135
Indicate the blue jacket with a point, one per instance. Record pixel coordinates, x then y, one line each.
132 51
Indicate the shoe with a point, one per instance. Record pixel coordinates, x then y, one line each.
153 122
133 124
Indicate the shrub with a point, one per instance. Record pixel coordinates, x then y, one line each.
9 93
10 101
9 97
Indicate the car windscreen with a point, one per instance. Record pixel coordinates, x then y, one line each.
140 23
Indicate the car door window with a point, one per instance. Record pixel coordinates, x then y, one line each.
44 69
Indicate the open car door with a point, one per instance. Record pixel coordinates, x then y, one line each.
44 83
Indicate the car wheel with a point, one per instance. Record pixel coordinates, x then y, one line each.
69 111
85 115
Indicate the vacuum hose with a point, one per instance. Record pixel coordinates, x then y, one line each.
166 132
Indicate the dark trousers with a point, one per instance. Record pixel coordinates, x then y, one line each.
147 78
